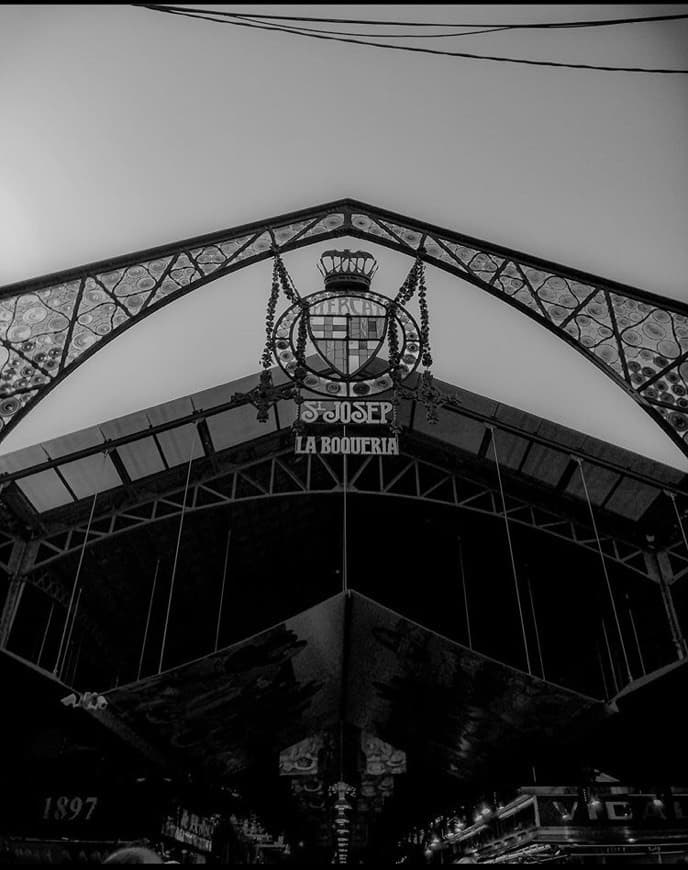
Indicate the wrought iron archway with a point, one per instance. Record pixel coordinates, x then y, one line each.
282 474
50 325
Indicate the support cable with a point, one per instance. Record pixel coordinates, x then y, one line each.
222 592
611 658
537 630
511 551
672 496
176 552
45 634
604 571
71 631
58 661
635 636
148 619
605 686
465 594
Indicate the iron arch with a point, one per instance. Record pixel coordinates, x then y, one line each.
259 479
50 325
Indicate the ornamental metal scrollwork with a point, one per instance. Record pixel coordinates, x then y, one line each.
50 325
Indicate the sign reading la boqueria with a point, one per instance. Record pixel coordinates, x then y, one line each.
365 345
357 413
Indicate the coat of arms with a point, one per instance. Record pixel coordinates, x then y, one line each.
347 324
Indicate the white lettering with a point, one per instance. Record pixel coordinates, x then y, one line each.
385 408
361 413
357 413
347 445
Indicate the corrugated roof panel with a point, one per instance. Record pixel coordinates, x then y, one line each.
560 434
452 427
90 474
632 498
21 459
217 395
75 441
510 448
123 426
520 419
141 458
471 401
238 425
287 413
545 464
170 411
45 490
177 444
599 482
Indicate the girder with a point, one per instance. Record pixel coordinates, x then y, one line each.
284 474
50 325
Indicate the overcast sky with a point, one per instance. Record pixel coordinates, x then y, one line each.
124 128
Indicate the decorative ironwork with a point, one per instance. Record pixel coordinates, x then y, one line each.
347 324
50 325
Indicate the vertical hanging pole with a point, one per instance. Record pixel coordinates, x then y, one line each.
45 633
605 686
76 658
462 572
604 571
58 660
345 533
611 659
176 552
511 551
63 666
222 593
658 568
537 630
635 635
148 619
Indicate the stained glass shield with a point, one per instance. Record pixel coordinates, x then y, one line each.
347 332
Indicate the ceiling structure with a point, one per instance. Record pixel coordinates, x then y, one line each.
208 558
205 461
52 324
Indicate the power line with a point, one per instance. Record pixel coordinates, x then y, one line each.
382 35
204 16
609 22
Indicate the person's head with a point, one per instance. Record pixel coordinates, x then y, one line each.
134 855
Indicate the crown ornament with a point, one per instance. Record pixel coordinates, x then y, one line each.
347 270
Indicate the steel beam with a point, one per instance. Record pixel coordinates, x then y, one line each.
257 479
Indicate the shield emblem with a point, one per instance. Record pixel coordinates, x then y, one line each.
348 341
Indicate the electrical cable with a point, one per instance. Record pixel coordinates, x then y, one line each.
378 35
416 49
608 22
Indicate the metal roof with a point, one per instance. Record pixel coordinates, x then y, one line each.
61 473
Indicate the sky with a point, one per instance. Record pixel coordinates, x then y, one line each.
125 129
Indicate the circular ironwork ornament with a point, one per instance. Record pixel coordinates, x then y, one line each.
348 330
